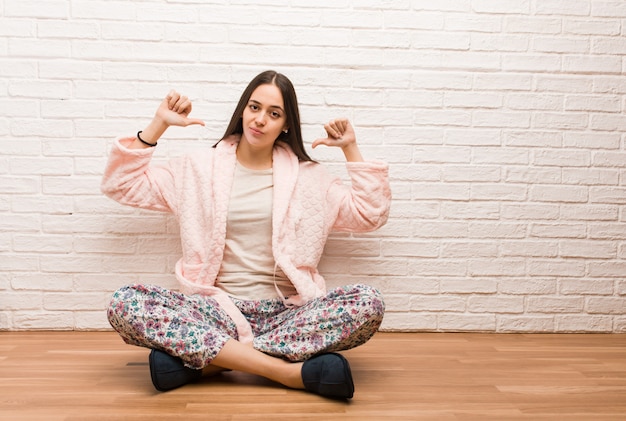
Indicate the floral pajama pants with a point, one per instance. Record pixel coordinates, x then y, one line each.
195 328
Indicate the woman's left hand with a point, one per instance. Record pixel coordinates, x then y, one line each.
339 132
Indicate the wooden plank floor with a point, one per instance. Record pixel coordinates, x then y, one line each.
78 376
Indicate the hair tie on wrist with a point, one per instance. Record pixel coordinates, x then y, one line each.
143 141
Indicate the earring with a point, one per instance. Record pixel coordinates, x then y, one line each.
286 131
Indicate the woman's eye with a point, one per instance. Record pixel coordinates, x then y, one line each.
276 114
254 107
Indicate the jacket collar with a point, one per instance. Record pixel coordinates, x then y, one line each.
285 169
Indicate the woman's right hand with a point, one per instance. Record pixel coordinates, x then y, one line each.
174 110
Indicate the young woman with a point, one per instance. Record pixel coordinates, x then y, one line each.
254 212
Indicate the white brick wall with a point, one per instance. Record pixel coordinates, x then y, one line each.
502 121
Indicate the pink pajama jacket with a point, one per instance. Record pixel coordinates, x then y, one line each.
308 204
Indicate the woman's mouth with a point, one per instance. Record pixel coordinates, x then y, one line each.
256 132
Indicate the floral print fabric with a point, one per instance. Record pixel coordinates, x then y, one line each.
195 328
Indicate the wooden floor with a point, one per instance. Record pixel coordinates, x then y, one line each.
82 376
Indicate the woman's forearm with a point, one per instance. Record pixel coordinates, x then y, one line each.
352 153
151 134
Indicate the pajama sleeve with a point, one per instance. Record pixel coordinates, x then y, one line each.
130 179
363 205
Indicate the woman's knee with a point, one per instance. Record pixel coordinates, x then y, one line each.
120 303
372 298
117 306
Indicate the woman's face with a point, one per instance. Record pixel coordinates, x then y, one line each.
264 117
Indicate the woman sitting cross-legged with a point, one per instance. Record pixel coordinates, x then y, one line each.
255 212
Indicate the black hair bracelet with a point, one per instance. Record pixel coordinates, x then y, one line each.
143 141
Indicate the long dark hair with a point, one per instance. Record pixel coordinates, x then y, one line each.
293 137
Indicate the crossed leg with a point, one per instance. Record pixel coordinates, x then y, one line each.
242 357
196 330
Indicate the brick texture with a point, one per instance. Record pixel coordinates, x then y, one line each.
502 121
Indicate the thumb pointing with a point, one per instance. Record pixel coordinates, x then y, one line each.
190 121
320 141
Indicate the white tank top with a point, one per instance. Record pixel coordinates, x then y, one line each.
248 270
